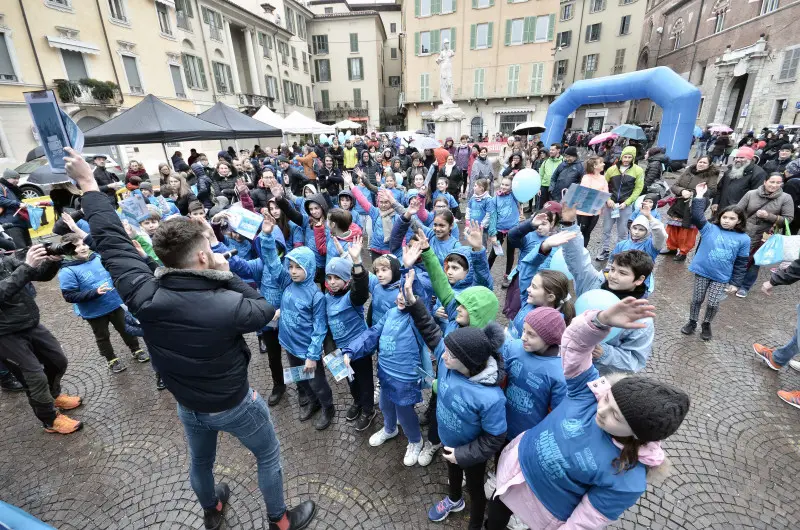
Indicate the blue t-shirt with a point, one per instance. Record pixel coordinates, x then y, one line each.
535 387
567 455
466 408
717 251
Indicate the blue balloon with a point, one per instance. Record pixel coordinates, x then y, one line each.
597 299
557 263
526 184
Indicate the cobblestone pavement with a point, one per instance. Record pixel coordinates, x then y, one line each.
733 460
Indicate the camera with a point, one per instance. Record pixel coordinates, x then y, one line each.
59 249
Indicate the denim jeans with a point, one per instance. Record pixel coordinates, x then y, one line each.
785 353
250 422
750 277
608 223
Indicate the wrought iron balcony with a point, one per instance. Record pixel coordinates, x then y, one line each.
255 100
341 109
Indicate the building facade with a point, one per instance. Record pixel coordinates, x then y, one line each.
743 57
189 53
503 63
596 38
357 63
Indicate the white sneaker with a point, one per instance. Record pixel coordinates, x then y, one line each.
381 436
490 485
427 453
795 365
412 453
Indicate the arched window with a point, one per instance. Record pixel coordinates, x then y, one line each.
476 128
676 33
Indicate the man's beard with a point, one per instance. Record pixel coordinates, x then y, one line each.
737 172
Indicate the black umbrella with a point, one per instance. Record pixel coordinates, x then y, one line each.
528 128
35 153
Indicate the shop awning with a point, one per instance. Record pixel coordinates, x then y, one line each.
514 110
72 45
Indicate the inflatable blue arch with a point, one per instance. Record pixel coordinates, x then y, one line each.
679 100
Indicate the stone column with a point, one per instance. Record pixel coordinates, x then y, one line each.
234 68
251 62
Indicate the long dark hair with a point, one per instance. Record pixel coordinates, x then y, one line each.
741 224
282 222
629 454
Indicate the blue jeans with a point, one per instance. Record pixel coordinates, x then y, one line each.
249 421
750 277
785 353
608 223
404 414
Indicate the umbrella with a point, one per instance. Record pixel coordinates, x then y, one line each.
34 153
600 138
698 132
721 129
634 132
347 124
529 127
241 125
425 143
43 175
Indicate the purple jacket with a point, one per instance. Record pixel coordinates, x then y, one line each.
462 156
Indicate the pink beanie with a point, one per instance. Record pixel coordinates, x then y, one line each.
745 152
548 323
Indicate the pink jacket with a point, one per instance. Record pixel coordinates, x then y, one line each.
596 182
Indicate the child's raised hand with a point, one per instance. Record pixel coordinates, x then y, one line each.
355 248
408 288
348 178
423 239
645 210
558 239
701 189
413 206
129 229
475 235
625 313
267 224
538 219
411 254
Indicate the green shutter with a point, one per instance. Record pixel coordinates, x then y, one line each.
453 39
489 37
436 7
416 43
455 5
349 71
205 14
435 43
354 42
509 22
361 68
491 3
416 8
529 30
551 27
472 36
474 4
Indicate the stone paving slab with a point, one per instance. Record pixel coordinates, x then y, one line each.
734 460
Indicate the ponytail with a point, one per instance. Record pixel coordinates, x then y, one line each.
557 284
628 455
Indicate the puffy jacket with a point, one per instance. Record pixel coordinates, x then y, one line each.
18 309
625 187
777 165
462 156
778 205
730 191
79 281
655 167
200 354
564 176
481 168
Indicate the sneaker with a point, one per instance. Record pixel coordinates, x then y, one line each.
10 383
353 412
160 383
505 283
427 453
442 509
213 517
705 331
65 402
741 293
794 365
296 518
412 453
116 366
380 437
63 424
679 257
276 395
668 252
140 356
603 256
490 485
792 398
766 356
365 420
689 328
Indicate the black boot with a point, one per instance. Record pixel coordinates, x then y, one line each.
705 331
299 517
689 328
325 418
160 382
308 410
276 395
212 517
9 382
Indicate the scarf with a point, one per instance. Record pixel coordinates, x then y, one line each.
387 218
762 192
448 169
638 292
484 195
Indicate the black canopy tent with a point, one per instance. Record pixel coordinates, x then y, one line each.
239 125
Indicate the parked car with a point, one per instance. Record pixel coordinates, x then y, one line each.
32 191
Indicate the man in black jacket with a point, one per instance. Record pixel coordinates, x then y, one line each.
201 355
744 175
27 348
569 172
107 182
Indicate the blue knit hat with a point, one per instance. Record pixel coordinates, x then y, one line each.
340 267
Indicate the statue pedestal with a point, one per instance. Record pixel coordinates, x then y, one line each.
447 119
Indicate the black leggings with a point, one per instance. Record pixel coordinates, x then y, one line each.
433 423
501 237
497 515
475 477
587 224
270 339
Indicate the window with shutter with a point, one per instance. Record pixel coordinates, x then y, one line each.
425 87
355 68
593 32
424 43
425 8
177 81
537 78
435 42
309 102
357 98
478 82
513 79
436 7
322 69
354 42
625 25
132 73
7 72
326 99
448 6
791 58
542 29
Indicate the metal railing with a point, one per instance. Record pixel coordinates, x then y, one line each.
341 108
255 100
183 20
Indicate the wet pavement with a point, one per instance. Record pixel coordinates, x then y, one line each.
733 460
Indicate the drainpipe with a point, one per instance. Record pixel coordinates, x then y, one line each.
110 54
581 34
205 50
33 47
280 79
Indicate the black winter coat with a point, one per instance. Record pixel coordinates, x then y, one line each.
654 170
193 320
103 178
18 309
730 192
455 182
330 180
565 176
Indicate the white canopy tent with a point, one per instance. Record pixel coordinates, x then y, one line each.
265 115
296 123
347 124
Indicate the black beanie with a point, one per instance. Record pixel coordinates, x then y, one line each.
653 410
571 151
473 346
786 147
